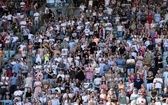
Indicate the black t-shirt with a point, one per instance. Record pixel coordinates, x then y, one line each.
144 39
156 62
150 80
113 49
49 76
37 45
137 83
80 75
67 85
143 17
72 73
3 89
153 70
8 93
161 64
127 25
123 18
28 94
92 47
85 53
151 47
122 50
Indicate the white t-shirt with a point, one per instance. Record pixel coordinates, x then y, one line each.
58 59
23 23
30 36
90 3
165 75
97 70
66 95
64 24
61 75
165 42
43 99
87 31
24 53
4 18
70 59
46 11
82 7
36 16
136 47
22 4
158 40
64 52
97 81
9 17
158 85
59 90
85 98
15 38
18 93
55 102
132 61
79 27
109 10
107 2
140 100
38 67
21 16
22 47
158 103
7 39
19 103
147 43
119 28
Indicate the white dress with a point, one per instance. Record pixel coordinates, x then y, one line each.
28 82
38 58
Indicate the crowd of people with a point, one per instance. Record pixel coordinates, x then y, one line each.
114 53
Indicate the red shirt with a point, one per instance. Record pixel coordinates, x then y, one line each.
150 18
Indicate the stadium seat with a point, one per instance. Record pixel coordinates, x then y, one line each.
12 53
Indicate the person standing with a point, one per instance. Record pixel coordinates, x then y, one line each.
13 83
158 81
138 82
1 57
37 89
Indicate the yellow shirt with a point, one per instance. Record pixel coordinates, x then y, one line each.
46 57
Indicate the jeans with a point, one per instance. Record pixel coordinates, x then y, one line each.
13 45
129 70
159 90
149 86
13 88
105 72
165 48
120 33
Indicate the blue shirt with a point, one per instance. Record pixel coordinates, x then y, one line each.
13 80
157 18
102 68
120 63
7 102
16 67
71 44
